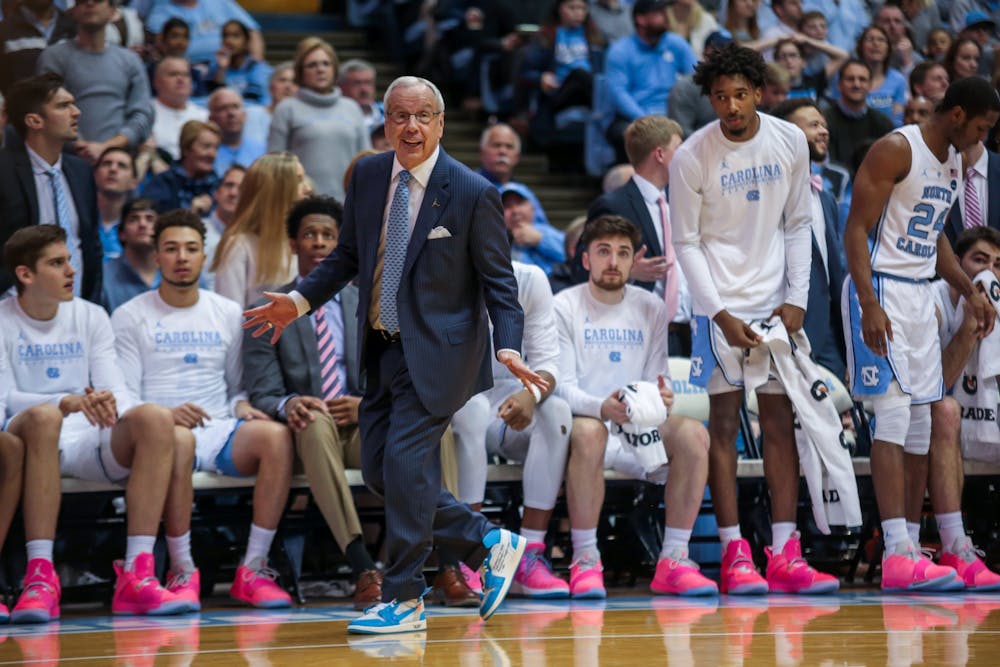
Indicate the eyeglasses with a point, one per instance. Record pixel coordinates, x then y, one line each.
402 117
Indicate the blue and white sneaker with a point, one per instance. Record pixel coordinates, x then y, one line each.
499 567
386 618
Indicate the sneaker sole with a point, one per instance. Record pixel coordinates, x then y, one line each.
270 604
412 626
929 585
166 609
696 591
32 616
539 593
816 589
492 603
748 589
592 594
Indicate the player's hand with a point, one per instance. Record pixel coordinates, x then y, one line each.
190 415
344 410
876 329
520 370
299 411
791 316
276 315
737 332
103 404
247 412
518 410
648 269
666 392
614 410
982 309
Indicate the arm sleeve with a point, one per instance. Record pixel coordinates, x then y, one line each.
580 402
540 347
658 358
105 372
798 228
128 353
234 362
139 105
277 135
685 225
616 69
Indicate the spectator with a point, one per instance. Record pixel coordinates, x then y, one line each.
24 33
966 13
115 179
962 59
612 18
531 242
850 120
888 85
173 42
40 184
561 275
321 126
173 105
108 81
845 20
789 55
206 19
135 270
685 103
225 109
126 29
380 143
282 84
357 82
890 18
227 198
777 83
922 17
641 69
741 20
918 109
939 41
929 79
234 66
789 15
689 19
253 253
354 161
981 29
982 181
190 181
499 154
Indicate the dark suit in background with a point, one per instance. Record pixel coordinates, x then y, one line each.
822 322
19 208
956 225
448 286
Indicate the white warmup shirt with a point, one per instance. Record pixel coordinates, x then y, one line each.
951 313
55 358
741 219
539 342
172 356
907 232
604 347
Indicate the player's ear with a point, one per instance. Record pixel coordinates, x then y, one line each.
585 259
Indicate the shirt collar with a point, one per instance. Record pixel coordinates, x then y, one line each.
649 192
38 163
422 172
982 164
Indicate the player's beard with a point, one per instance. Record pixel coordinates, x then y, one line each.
182 284
610 284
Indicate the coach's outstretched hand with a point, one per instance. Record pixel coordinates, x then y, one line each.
276 315
520 370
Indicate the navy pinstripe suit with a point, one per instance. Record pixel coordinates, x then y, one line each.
448 287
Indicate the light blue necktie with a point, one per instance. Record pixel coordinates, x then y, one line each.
397 237
63 220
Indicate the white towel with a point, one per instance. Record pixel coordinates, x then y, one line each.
819 437
641 435
976 391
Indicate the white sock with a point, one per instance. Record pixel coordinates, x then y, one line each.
533 536
135 545
729 533
584 543
913 528
258 545
674 539
39 549
950 527
780 532
180 552
894 532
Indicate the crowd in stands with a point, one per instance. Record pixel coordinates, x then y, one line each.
179 175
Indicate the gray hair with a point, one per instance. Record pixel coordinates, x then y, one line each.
354 65
279 68
218 92
485 136
412 82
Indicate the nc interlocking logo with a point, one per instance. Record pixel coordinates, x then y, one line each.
696 366
615 357
869 376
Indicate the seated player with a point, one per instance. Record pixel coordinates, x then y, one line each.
180 346
525 428
612 334
61 352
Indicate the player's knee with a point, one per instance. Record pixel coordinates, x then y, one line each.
11 455
277 444
918 437
946 417
471 419
39 419
183 450
688 438
892 418
557 412
588 438
149 419
722 429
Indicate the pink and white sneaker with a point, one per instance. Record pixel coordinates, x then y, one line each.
676 574
906 569
138 591
259 587
186 586
739 576
967 561
788 572
39 601
472 578
534 577
4 613
586 578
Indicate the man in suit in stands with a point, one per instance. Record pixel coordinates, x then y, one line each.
425 238
823 319
979 199
39 184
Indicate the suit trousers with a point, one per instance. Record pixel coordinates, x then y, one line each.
401 461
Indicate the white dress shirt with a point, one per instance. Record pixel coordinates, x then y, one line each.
979 176
47 209
650 195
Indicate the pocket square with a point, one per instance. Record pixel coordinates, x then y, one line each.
439 233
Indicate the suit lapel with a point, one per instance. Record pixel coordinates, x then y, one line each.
993 190
436 198
374 209
77 193
27 178
641 213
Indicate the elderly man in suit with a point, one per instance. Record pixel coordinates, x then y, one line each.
426 240
39 184
979 199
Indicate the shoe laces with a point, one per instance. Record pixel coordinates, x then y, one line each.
536 558
679 558
968 552
926 552
177 579
262 571
742 561
587 562
36 588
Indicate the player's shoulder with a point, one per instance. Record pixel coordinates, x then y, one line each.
699 139
567 298
642 298
135 307
527 273
87 309
782 131
218 303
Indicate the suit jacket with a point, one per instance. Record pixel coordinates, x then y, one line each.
627 202
448 285
955 225
823 321
272 372
19 208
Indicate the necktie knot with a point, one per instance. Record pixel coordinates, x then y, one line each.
816 182
404 177
970 173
